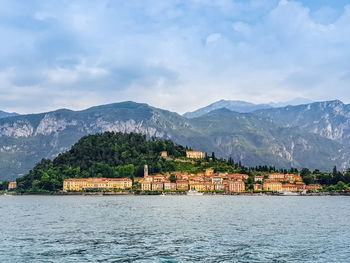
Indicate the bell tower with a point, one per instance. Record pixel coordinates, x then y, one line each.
145 170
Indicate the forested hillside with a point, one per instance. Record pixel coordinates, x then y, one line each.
108 154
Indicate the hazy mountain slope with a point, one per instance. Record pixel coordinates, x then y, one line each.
233 105
4 114
329 119
255 140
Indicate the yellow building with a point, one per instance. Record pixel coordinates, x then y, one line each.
157 186
197 186
289 188
182 185
167 185
314 187
195 154
237 186
258 187
83 184
164 154
209 187
273 186
146 185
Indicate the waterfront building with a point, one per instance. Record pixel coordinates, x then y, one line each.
197 186
157 187
209 187
167 185
173 186
227 186
314 187
119 183
146 185
300 186
182 185
12 185
236 186
273 186
82 184
289 188
258 187
195 154
219 187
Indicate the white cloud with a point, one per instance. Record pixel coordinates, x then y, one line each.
213 38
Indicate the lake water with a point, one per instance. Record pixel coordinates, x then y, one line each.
174 229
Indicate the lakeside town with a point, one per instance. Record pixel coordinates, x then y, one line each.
207 181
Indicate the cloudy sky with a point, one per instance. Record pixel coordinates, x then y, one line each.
174 54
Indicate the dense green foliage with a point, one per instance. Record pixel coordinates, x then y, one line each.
111 155
335 181
4 185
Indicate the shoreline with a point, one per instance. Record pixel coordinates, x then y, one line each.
168 194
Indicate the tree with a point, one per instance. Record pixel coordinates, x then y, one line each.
335 172
172 178
308 179
340 186
305 172
213 156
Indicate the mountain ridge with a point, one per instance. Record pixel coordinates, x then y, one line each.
4 114
254 138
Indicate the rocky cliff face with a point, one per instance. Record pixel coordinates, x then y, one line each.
253 138
330 119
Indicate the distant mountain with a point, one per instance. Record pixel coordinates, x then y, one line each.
256 140
26 139
243 106
4 114
262 137
293 102
233 105
329 119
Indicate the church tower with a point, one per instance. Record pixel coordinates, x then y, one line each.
145 170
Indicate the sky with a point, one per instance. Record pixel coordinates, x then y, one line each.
178 55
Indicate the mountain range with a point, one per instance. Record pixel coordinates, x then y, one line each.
312 135
4 114
243 106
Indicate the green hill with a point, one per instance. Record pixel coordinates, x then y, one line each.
111 155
